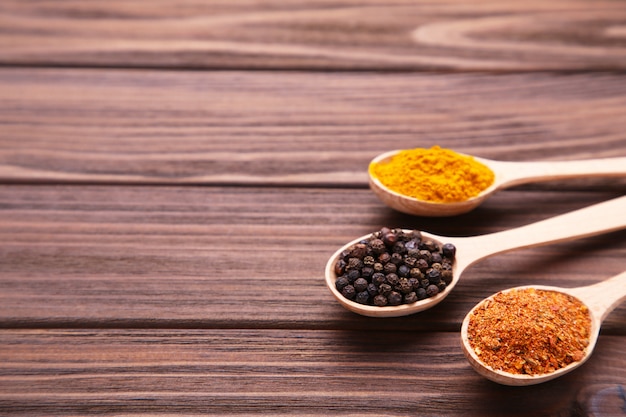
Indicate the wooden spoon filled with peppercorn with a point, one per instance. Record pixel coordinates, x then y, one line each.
532 334
398 272
439 182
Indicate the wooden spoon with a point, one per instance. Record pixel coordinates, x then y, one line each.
507 174
600 299
593 220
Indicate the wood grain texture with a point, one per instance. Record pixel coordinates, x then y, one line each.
197 257
224 128
347 34
295 372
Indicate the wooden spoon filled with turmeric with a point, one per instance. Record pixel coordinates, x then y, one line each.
439 182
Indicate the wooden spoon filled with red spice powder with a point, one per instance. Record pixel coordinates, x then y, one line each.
532 334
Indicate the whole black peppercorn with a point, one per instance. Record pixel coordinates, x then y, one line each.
359 251
421 293
404 286
367 272
341 282
449 250
340 267
425 255
422 264
385 257
392 279
434 276
390 239
416 273
432 290
446 276
377 246
436 258
403 271
398 247
372 289
378 278
396 258
354 263
410 298
410 261
380 300
429 245
362 297
348 292
392 267
360 284
384 289
394 298
352 275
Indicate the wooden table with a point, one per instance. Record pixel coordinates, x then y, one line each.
175 175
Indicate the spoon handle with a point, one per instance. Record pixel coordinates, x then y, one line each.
603 297
596 219
516 173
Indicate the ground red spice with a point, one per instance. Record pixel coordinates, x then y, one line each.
529 331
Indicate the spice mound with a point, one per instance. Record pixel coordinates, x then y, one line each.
529 331
393 267
436 175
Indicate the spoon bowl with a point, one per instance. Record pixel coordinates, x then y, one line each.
600 299
593 220
507 174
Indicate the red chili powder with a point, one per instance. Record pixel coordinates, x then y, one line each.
529 331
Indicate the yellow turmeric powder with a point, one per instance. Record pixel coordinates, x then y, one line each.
435 175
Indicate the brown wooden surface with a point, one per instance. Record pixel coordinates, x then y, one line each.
175 174
320 35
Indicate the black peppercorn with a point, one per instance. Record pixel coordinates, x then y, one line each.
380 300
404 286
367 272
392 267
348 292
385 257
432 290
378 278
360 284
394 298
377 246
410 298
352 275
354 263
362 297
421 293
392 279
341 282
449 250
403 271
396 258
372 289
384 289
390 239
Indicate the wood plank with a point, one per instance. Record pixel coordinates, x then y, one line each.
208 257
346 34
295 372
320 129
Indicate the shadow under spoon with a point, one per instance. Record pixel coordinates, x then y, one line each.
600 299
507 174
589 221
